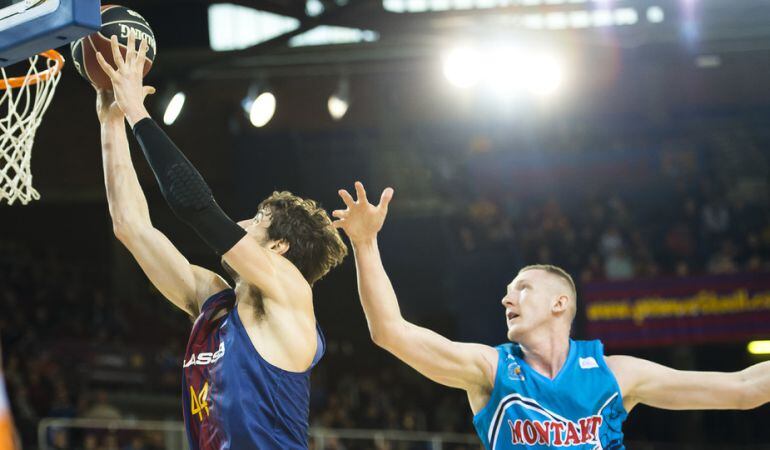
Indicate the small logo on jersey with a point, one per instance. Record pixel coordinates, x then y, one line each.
588 363
514 369
199 402
205 358
555 433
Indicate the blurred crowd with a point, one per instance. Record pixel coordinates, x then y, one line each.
610 238
59 331
689 202
72 348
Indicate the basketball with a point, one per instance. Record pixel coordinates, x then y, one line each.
116 21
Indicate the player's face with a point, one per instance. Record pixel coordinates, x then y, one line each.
258 225
527 303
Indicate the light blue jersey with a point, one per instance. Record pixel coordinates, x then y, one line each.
580 408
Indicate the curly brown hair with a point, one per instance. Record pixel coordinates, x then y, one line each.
315 246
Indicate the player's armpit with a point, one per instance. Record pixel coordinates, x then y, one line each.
655 385
455 364
170 272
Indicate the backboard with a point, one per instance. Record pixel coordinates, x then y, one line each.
28 27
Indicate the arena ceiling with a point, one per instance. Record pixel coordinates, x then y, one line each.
691 26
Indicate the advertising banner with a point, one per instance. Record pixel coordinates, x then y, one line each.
664 311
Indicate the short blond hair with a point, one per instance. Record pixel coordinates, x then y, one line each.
561 273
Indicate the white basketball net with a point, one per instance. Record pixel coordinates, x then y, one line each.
21 111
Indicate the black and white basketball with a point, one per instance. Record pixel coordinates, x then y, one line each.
116 21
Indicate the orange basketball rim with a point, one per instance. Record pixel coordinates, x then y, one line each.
17 82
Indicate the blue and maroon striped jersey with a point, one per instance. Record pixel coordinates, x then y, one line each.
233 398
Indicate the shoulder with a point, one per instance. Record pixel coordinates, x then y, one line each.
628 372
622 364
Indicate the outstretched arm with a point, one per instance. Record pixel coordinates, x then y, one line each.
182 283
466 366
184 189
652 384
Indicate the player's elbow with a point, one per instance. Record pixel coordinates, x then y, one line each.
126 232
749 397
379 337
387 335
121 231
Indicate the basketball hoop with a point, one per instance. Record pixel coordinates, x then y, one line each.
23 101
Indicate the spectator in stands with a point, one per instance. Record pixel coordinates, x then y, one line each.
102 408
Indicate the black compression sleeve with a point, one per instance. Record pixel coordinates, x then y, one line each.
184 189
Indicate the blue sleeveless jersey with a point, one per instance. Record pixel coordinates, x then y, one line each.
234 399
580 408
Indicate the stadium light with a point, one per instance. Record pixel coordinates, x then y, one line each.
655 14
339 101
759 347
259 104
503 69
506 69
174 108
314 8
262 109
545 75
462 67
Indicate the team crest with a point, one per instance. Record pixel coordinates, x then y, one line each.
514 369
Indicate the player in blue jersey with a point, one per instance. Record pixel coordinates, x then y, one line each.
542 389
247 365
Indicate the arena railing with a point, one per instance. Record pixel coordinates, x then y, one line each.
174 436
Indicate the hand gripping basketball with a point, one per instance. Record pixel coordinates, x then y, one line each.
362 220
127 79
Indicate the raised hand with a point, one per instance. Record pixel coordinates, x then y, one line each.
127 79
361 220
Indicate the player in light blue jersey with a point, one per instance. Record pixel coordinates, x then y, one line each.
542 389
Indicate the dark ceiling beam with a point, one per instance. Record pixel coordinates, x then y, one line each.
279 42
297 11
293 9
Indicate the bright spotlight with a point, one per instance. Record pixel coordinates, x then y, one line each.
174 108
502 69
655 14
461 67
339 101
337 107
759 347
314 8
545 75
262 109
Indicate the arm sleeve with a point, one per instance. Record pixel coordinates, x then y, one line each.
184 189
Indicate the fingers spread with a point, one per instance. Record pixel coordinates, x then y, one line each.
347 198
131 50
142 55
117 57
337 223
340 213
105 65
360 191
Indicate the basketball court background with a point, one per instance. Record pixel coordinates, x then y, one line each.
647 168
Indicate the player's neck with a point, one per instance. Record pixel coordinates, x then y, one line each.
546 353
